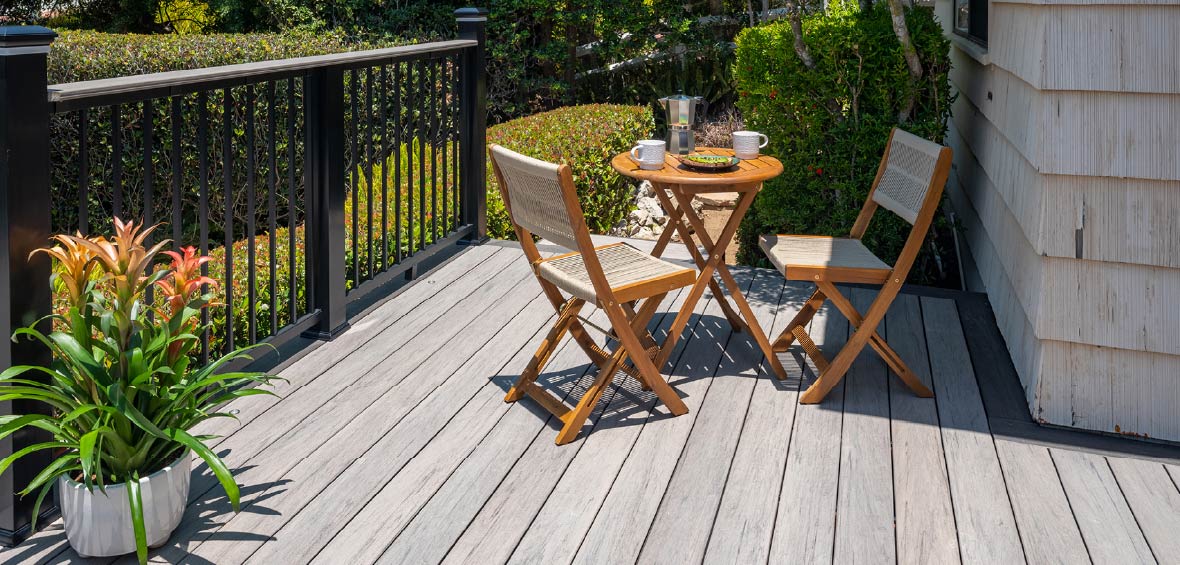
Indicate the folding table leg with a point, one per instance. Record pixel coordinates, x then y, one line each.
735 290
675 221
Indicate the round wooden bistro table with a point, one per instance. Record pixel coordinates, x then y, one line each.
683 183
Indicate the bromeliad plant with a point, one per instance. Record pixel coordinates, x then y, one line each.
121 386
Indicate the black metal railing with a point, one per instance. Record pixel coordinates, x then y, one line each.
314 183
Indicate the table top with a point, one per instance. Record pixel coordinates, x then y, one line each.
747 172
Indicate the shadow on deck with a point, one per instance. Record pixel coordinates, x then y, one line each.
393 444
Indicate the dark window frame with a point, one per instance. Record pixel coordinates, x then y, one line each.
976 15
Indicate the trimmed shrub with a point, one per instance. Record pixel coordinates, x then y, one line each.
829 125
88 55
585 137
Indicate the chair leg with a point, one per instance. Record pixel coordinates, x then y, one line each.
887 353
573 421
802 318
638 354
568 314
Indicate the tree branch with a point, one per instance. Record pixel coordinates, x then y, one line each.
795 16
907 50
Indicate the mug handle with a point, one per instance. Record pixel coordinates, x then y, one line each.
765 140
634 156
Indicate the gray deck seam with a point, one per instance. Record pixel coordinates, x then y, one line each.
680 457
376 332
343 390
424 445
359 412
938 420
1131 508
1069 504
651 407
762 373
594 424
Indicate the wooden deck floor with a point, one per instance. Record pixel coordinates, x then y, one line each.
393 444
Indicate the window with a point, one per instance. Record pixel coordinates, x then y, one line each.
971 20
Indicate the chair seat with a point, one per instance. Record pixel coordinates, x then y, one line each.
814 258
631 273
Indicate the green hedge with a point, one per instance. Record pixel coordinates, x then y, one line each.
88 55
586 137
829 125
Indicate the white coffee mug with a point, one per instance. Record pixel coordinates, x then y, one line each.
746 144
649 154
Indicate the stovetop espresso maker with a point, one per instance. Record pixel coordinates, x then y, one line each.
681 111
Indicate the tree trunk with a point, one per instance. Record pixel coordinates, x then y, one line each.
907 50
795 16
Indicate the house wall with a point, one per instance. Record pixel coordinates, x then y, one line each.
1066 134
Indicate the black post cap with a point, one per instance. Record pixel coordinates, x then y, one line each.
26 36
471 14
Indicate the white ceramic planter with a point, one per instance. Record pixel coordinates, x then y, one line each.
99 525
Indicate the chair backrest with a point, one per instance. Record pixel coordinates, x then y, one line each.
536 197
910 166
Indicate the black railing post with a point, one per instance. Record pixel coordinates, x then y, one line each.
473 121
325 170
24 226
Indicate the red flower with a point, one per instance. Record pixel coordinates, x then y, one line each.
819 172
773 94
185 281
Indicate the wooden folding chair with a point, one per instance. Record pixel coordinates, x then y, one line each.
541 199
909 183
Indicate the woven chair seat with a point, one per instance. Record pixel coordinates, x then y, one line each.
806 257
631 273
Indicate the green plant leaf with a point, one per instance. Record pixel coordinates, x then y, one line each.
215 464
135 500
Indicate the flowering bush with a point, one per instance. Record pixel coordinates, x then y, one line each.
586 137
120 385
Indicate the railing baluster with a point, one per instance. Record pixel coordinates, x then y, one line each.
292 207
271 206
384 168
251 229
412 96
455 115
117 158
421 157
146 120
369 168
445 139
177 170
203 206
227 179
353 157
397 163
83 172
433 156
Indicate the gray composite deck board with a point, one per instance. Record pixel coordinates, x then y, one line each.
1111 533
450 511
741 532
864 502
1155 502
392 443
983 514
805 526
492 535
1047 525
921 489
925 519
688 508
625 517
